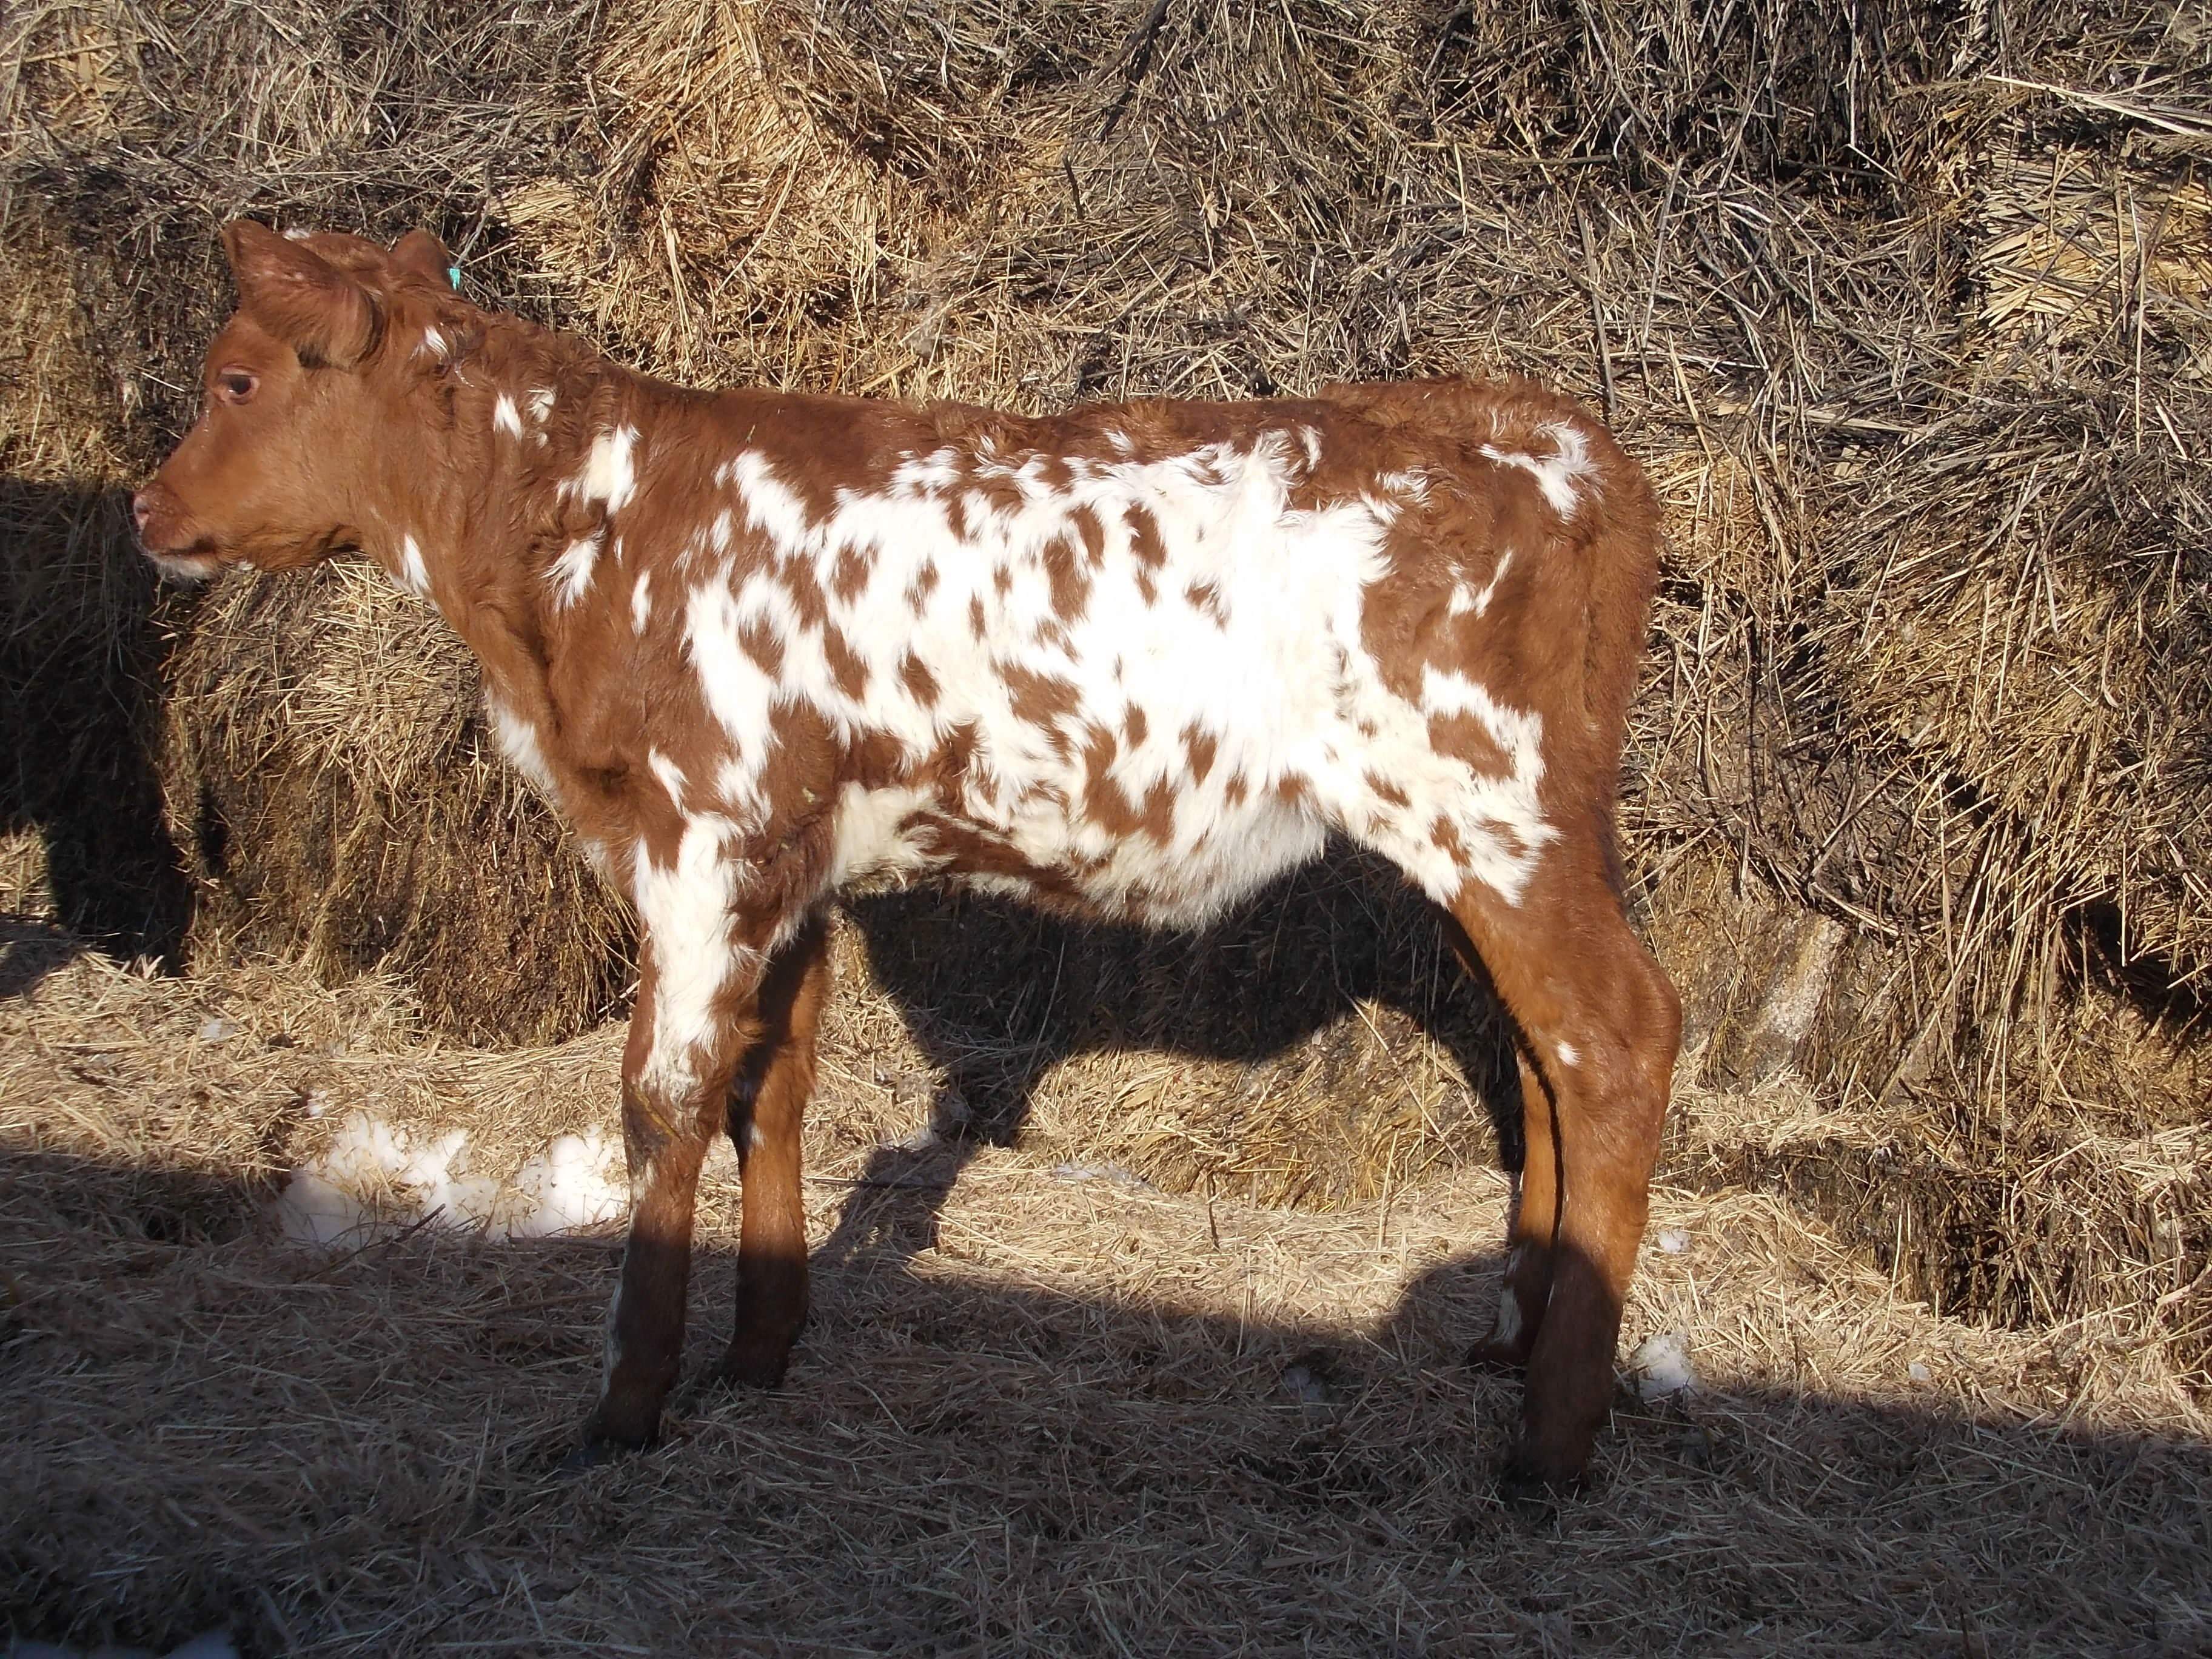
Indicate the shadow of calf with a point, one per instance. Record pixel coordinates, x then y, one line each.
79 707
995 994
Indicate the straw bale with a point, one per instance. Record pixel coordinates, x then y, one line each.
339 797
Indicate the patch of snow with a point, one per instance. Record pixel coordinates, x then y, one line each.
1662 1366
376 1176
313 1211
1673 1241
218 1029
1919 1373
572 1183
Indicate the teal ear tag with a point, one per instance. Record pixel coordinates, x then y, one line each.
453 275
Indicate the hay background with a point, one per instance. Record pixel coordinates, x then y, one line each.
1905 306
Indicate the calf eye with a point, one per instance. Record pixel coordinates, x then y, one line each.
235 386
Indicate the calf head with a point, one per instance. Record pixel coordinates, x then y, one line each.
303 432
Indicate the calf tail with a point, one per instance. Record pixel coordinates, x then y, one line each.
1620 556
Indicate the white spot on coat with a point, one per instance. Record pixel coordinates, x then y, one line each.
671 775
1507 1330
640 602
688 909
609 474
414 573
611 1356
518 741
1559 475
505 417
571 574
1465 600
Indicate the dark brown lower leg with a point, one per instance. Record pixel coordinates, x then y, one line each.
767 1110
1526 1280
1527 1284
675 1089
644 1326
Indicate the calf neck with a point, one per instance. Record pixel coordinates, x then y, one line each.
1131 661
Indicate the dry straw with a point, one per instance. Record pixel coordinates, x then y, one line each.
1054 1412
1905 304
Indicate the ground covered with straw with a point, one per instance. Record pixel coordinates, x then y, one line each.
1051 1409
1906 306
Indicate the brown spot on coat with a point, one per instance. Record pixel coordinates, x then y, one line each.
1071 582
1386 790
920 681
850 578
1043 700
1145 538
759 640
846 668
1464 738
923 584
1200 746
807 598
1091 531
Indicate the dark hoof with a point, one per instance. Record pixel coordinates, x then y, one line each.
752 1368
1532 1492
1507 1359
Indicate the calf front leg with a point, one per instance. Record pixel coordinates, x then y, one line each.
696 1015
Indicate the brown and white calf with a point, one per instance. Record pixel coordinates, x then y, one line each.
1131 661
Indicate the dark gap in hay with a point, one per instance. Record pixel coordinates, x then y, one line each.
2010 1245
2179 1004
77 711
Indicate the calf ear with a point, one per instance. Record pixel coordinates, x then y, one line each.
418 253
304 300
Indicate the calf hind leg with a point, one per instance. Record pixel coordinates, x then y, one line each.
1527 1283
1525 1287
1602 1024
766 1109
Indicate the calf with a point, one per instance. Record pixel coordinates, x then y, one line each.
1131 661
